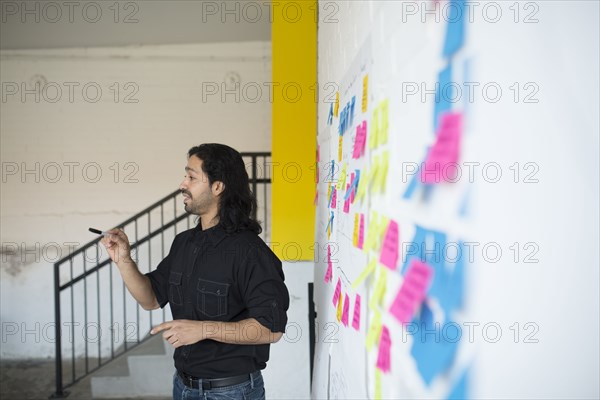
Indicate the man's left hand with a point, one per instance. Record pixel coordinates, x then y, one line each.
180 332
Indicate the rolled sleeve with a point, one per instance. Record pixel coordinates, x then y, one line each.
265 295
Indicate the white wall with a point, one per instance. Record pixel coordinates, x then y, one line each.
43 212
558 214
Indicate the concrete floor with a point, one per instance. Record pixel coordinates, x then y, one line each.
34 379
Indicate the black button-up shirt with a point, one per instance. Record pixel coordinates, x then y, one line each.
211 275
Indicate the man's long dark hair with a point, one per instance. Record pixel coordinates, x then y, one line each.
237 203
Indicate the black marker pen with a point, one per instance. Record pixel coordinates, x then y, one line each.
98 231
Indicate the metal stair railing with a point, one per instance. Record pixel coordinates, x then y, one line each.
86 289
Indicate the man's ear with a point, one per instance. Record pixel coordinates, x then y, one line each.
217 188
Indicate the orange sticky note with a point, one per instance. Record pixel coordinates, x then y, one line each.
339 309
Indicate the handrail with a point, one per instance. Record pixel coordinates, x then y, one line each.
97 266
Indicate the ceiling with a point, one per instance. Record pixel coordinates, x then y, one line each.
58 24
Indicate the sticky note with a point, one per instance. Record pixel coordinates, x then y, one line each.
369 269
342 177
351 188
336 106
330 225
433 353
444 93
383 123
374 129
377 395
361 185
381 172
346 310
355 231
329 271
347 204
379 290
361 232
459 391
412 292
340 144
330 116
333 203
374 331
356 318
355 182
455 32
365 93
389 252
339 309
441 162
316 198
383 355
337 292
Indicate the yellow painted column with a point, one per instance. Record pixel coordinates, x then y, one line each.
294 130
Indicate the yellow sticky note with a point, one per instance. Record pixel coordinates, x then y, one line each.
339 309
377 394
336 106
374 129
372 231
340 144
374 331
365 273
361 188
341 183
373 178
379 291
380 232
382 170
365 94
356 227
383 122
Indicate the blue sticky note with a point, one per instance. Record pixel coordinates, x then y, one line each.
459 391
455 32
412 186
444 95
330 117
433 351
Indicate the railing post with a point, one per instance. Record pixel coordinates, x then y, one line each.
57 335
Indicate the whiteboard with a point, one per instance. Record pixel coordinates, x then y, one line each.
529 316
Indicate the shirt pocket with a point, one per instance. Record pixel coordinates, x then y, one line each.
212 298
175 289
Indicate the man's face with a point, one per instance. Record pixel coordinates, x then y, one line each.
198 195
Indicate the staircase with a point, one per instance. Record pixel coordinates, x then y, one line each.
143 372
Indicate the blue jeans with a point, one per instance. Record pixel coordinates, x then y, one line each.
253 389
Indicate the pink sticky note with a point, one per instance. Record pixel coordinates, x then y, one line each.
333 198
441 162
346 310
329 272
389 253
383 356
356 318
412 293
361 231
338 291
360 140
347 201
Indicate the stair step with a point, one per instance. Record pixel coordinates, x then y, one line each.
128 375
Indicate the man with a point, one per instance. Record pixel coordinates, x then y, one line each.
223 283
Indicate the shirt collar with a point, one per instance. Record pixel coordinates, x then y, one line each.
214 235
